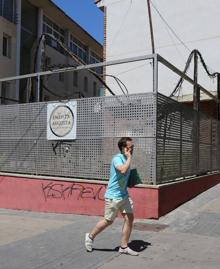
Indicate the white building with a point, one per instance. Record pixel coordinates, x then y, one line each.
178 26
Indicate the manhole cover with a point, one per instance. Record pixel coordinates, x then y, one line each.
149 227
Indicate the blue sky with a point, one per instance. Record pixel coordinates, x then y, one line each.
86 14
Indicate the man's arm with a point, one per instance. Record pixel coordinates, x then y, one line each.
122 169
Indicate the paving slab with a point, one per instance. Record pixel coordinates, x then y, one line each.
188 237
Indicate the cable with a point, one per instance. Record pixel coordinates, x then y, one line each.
212 75
9 99
91 71
119 82
75 58
123 20
156 9
180 82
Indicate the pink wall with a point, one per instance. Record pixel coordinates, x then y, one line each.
68 197
88 198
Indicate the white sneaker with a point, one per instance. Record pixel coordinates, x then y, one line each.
88 243
128 251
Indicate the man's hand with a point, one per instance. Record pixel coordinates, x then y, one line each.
128 152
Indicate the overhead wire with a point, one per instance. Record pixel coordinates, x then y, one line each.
79 61
192 53
123 20
171 29
119 82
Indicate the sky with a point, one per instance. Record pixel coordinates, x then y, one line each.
86 14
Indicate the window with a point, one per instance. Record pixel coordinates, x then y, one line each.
79 49
94 88
75 78
47 62
7 9
4 92
6 46
54 44
94 58
85 84
53 29
61 77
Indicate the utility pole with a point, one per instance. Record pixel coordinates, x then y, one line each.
151 26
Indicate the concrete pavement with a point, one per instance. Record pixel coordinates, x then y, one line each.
188 237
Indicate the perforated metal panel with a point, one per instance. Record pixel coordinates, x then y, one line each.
101 121
162 130
176 145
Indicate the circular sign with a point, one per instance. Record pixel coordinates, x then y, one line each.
61 121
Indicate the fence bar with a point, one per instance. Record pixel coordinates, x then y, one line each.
81 67
155 74
183 75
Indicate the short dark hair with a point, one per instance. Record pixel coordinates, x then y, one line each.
122 143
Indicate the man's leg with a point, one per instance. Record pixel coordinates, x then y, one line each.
100 226
126 229
111 211
127 213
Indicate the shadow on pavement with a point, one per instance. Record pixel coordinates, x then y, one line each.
139 245
136 245
107 249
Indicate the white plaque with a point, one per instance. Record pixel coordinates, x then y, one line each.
61 121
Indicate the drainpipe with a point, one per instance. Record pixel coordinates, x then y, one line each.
18 46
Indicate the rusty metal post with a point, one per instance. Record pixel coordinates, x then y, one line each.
218 121
196 120
181 143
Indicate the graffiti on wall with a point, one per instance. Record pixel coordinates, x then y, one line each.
57 190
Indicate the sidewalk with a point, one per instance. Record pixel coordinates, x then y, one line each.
188 237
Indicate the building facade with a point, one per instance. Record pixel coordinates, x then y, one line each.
38 36
178 27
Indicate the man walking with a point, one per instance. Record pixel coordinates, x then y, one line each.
117 199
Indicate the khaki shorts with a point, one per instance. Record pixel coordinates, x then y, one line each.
113 206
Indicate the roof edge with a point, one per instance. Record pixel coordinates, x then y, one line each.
68 17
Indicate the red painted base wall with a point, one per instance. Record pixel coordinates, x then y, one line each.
88 198
68 197
171 196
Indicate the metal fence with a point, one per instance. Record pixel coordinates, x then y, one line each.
162 130
172 141
101 121
181 151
